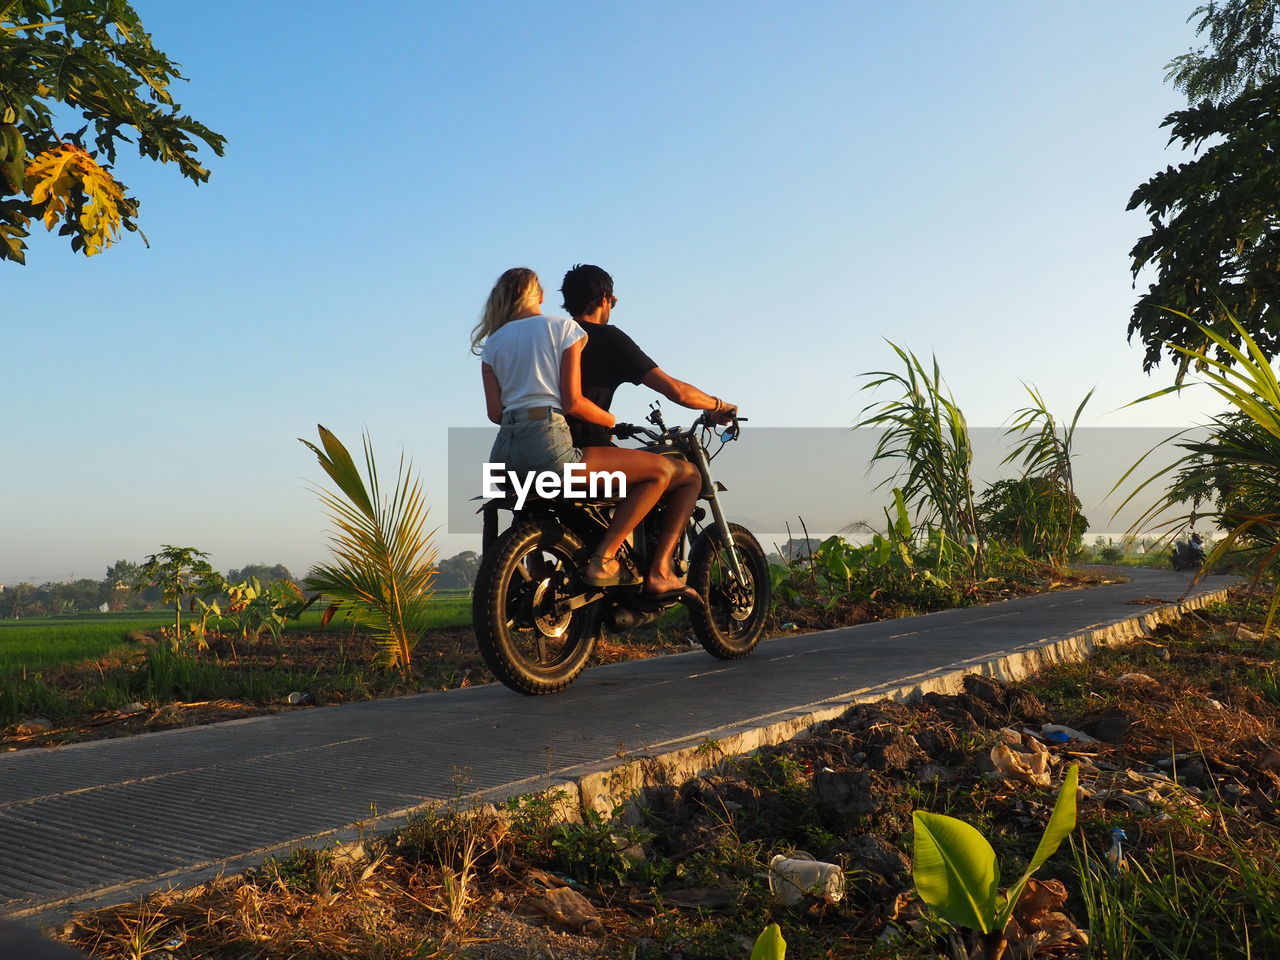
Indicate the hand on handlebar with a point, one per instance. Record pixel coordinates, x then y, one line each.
727 414
624 431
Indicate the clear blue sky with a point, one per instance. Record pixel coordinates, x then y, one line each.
774 188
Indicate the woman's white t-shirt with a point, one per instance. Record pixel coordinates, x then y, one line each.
525 356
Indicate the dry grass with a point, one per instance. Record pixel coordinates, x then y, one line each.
447 886
375 909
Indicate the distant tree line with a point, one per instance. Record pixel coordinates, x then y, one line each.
458 572
121 589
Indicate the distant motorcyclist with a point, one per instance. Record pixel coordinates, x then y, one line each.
1188 555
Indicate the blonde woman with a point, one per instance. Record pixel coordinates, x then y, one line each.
531 365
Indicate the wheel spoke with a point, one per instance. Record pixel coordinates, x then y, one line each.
538 565
542 649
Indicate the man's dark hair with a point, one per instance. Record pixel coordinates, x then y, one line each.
583 288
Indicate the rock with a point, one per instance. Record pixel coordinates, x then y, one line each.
931 773
131 708
1108 725
634 852
1193 773
1242 632
987 689
942 745
986 766
844 793
1138 679
349 853
896 753
569 909
708 898
33 726
965 709
877 856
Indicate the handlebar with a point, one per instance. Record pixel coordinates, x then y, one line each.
627 431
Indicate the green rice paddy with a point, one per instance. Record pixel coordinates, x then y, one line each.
41 642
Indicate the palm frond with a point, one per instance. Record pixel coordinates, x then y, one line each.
1237 466
384 558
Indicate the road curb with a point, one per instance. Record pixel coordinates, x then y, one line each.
612 789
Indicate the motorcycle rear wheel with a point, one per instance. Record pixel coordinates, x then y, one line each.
530 643
730 624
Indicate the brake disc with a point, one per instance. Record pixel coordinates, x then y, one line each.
546 619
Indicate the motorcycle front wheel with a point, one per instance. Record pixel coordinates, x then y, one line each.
527 638
732 620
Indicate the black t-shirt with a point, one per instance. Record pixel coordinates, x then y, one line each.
609 359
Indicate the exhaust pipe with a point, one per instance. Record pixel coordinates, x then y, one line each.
622 619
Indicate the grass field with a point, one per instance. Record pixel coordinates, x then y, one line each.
448 608
41 642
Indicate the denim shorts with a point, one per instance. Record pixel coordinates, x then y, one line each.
542 444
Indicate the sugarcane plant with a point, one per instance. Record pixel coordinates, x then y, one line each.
926 435
1044 449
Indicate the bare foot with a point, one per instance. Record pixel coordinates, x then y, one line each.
670 583
607 572
662 583
602 566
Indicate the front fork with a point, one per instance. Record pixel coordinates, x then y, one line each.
709 488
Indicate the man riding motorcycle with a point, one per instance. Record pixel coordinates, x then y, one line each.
610 359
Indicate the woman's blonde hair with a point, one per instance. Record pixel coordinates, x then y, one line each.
516 291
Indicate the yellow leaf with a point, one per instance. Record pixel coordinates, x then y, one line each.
53 179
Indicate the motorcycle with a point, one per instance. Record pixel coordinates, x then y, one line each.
1188 555
537 622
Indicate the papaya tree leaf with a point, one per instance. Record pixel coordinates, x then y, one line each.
58 177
